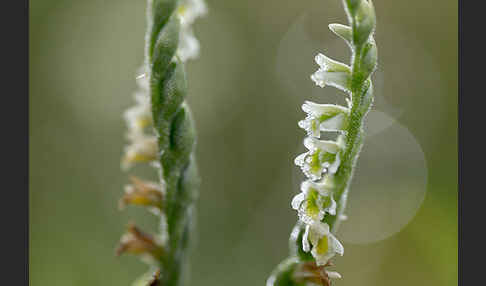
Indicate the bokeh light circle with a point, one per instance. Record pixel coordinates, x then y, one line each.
389 184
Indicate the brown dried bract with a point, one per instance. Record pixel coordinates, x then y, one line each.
137 242
155 279
310 272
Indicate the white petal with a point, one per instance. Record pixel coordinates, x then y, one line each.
188 45
305 185
322 187
335 245
297 201
345 32
331 65
319 109
340 80
317 78
332 208
305 239
324 145
333 274
334 123
320 229
332 169
300 160
308 125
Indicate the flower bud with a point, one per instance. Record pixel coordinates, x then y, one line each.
369 57
365 22
351 6
139 116
343 31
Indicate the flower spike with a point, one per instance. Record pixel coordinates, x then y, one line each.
329 164
160 132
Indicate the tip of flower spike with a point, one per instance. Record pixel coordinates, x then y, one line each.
297 201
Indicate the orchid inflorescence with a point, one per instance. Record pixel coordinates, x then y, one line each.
329 164
161 133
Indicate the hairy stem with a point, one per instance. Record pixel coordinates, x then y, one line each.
176 138
169 144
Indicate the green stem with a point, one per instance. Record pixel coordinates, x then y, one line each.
354 136
354 143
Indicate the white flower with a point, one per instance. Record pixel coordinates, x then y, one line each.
143 148
323 117
315 200
324 244
139 116
322 157
189 11
331 73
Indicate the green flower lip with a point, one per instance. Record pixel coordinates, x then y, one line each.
323 117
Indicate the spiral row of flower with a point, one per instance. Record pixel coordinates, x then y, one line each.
161 133
329 164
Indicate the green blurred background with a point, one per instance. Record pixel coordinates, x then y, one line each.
245 90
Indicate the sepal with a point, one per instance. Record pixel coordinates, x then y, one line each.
343 31
331 73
